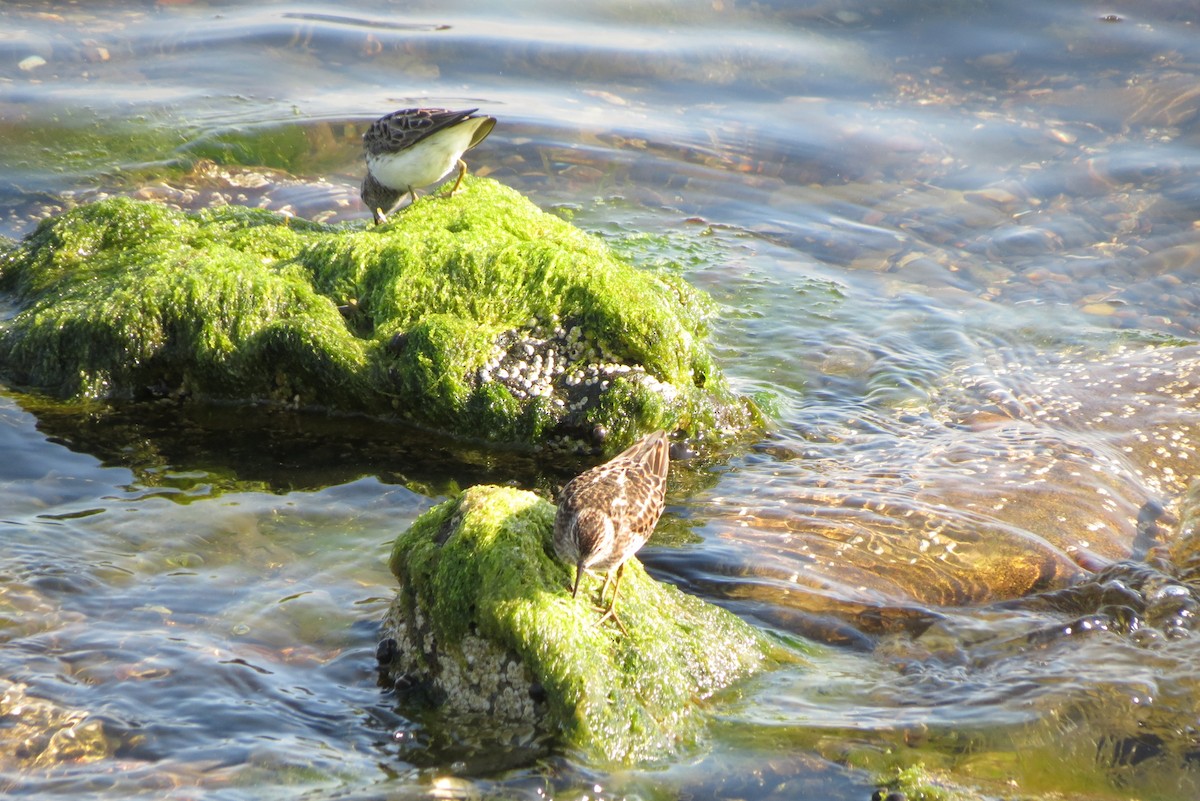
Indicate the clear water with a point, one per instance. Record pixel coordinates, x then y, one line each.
943 236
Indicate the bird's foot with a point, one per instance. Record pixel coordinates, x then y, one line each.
610 613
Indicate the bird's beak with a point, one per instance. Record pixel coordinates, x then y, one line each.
578 575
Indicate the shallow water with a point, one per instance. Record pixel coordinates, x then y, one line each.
954 246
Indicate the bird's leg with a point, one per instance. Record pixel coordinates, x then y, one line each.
612 607
462 170
599 605
604 587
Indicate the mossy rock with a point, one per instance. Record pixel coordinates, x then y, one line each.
485 625
478 315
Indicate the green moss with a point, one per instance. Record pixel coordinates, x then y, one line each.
122 299
625 395
502 269
293 146
918 784
283 146
484 563
436 358
85 143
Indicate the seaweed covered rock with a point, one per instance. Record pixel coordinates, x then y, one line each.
485 628
478 315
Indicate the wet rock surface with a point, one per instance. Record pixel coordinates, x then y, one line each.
479 316
484 631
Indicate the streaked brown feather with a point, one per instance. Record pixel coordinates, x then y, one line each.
608 512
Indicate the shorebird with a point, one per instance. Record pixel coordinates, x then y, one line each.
607 513
416 147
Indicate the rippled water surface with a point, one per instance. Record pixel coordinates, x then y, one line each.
955 250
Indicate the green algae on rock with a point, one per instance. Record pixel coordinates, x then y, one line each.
478 315
485 624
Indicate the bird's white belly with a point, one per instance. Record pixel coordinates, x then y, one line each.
425 163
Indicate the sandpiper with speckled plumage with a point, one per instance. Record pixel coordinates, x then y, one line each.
416 147
607 513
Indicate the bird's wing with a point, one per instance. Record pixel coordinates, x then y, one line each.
404 128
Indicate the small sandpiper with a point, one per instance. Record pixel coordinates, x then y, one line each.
416 147
607 513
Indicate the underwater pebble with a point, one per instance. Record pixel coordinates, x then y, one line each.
30 63
1099 309
94 51
996 195
1026 241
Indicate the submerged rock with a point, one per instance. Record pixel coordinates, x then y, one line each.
38 733
478 315
484 627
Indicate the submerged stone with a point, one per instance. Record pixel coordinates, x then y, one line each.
38 733
485 629
478 315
